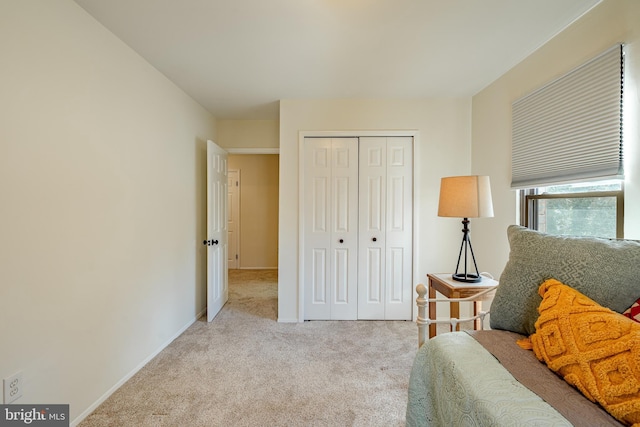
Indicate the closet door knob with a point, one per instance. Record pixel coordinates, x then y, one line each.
374 239
341 240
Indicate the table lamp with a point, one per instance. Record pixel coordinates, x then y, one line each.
465 197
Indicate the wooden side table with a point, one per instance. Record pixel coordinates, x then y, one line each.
452 289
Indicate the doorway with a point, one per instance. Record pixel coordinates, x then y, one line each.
257 197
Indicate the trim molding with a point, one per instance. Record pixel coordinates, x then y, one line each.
354 133
253 150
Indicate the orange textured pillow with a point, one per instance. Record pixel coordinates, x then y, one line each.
593 348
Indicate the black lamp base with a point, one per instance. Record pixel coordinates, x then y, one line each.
468 278
465 248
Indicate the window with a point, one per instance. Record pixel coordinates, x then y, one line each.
570 130
585 209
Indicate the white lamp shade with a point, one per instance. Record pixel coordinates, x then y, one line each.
465 197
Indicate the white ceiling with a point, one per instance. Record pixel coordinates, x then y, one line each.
239 57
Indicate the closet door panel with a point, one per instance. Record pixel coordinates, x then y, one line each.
344 236
371 262
374 275
358 227
341 276
317 229
319 268
397 204
374 192
399 229
341 205
372 223
396 277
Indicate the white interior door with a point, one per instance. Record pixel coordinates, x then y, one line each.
330 250
344 224
399 229
217 248
372 227
317 229
233 260
385 228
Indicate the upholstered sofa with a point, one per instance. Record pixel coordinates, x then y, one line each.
559 352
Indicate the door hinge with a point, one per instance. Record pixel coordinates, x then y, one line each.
236 256
237 184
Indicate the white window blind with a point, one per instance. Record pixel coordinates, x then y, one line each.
571 129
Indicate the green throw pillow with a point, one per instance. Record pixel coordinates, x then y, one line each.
607 271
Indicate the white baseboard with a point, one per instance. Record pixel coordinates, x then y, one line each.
126 378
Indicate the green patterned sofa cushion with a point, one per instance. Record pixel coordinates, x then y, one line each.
607 271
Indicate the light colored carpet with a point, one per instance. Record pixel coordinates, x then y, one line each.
245 369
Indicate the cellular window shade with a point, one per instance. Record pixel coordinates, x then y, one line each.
571 129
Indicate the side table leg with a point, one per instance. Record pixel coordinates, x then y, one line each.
477 308
432 311
454 308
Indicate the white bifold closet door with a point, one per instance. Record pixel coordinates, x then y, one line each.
357 216
330 228
385 228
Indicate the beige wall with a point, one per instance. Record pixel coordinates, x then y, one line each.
255 134
610 22
443 148
102 177
258 209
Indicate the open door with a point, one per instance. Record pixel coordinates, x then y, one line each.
217 275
